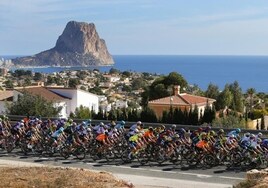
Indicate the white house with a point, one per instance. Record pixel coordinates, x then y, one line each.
68 98
58 100
77 97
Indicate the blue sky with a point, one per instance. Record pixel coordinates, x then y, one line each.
161 27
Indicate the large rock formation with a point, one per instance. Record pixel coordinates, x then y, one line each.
79 45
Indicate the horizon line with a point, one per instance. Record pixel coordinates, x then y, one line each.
167 55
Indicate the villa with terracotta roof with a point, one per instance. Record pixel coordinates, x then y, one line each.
68 98
181 101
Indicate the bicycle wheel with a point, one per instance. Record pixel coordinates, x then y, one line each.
80 153
142 157
208 161
176 158
126 156
64 152
9 143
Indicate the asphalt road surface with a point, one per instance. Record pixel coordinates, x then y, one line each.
217 175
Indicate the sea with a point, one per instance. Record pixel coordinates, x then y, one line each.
248 71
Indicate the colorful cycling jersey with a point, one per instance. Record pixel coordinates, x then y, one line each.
119 126
148 134
201 144
57 133
101 137
265 143
254 144
229 140
134 138
234 133
133 127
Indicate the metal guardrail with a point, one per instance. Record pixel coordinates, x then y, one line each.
147 124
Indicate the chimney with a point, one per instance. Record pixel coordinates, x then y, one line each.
177 90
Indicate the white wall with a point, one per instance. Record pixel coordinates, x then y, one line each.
70 93
3 107
78 97
88 100
63 113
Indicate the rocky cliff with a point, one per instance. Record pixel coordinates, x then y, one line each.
79 45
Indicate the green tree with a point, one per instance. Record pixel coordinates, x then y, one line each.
33 105
9 83
73 82
20 73
138 83
237 103
224 99
212 91
112 115
195 120
96 90
126 73
37 76
82 112
83 88
161 86
114 71
250 93
148 115
126 88
27 82
175 79
164 118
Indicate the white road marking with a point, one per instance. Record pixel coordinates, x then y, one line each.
171 172
226 177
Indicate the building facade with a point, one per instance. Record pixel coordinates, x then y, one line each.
181 101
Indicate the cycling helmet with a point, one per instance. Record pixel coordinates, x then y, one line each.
182 130
259 134
247 134
139 123
252 136
259 140
221 131
231 136
122 122
212 133
238 130
102 124
173 126
151 129
61 129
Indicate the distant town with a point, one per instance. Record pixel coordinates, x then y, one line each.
132 96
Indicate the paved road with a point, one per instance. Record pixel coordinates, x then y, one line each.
217 175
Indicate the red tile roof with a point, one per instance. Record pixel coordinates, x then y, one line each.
183 100
43 92
5 95
193 99
168 100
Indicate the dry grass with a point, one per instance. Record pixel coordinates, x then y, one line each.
255 179
37 177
